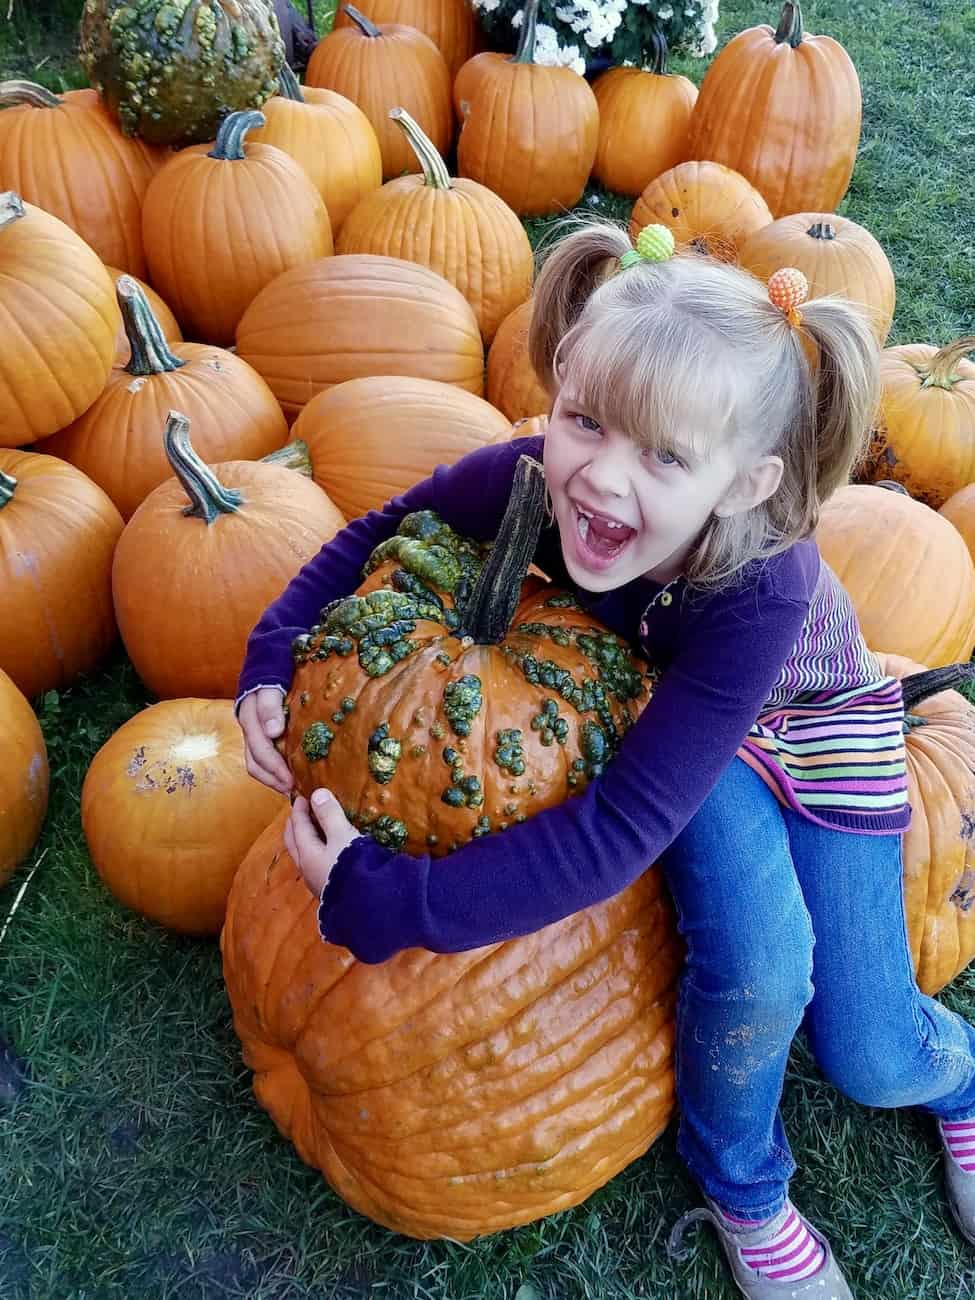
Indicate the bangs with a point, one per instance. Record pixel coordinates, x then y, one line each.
663 379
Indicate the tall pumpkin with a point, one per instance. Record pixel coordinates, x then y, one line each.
783 108
218 545
24 778
512 384
458 228
57 321
221 222
450 24
708 207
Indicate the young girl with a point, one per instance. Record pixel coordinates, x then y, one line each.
689 447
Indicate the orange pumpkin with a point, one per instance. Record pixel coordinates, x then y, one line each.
58 532
529 132
330 137
380 67
118 441
57 321
707 207
24 777
219 545
172 782
836 255
959 510
167 322
925 434
359 315
512 384
221 221
458 228
644 117
66 154
370 439
450 24
907 571
783 108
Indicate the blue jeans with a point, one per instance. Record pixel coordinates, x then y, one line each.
755 886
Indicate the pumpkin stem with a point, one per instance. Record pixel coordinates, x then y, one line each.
821 230
525 53
150 351
288 87
11 208
919 686
940 372
890 485
230 138
208 497
487 613
28 92
658 53
293 455
790 24
361 21
7 485
435 173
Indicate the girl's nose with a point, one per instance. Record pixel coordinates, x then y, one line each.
609 470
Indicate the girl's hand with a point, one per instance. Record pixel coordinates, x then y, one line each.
261 718
315 848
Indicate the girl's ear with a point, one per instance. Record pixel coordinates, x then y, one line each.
751 487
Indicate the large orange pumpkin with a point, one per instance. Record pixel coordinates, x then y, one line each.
219 545
907 570
24 778
450 24
118 441
356 314
57 323
783 108
708 207
370 439
959 510
458 228
512 384
168 812
58 532
221 221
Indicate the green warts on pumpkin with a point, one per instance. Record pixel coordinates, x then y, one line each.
384 754
317 741
462 703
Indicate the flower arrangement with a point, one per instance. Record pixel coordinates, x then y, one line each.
587 33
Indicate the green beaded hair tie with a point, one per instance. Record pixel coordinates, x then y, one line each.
654 243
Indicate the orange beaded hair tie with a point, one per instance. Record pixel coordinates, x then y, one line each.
787 288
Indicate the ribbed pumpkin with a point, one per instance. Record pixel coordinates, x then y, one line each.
221 221
529 131
450 24
907 570
512 384
836 255
783 108
329 137
57 322
370 439
959 510
167 322
118 441
24 777
458 228
644 117
382 66
511 1080
353 315
58 532
218 545
66 154
707 206
925 434
168 812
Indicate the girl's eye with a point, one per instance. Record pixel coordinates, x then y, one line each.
588 423
662 456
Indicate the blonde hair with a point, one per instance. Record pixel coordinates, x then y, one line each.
692 349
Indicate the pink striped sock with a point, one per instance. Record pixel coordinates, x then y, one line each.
791 1254
959 1138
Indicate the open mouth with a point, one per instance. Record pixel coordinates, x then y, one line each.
600 541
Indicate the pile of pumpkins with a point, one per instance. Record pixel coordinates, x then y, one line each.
348 335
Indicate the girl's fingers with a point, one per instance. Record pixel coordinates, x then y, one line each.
306 836
274 779
289 842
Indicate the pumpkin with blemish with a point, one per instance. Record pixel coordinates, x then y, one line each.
457 1094
708 207
24 779
168 812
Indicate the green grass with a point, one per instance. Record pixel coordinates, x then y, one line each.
136 1162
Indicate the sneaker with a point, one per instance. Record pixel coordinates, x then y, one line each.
827 1284
960 1188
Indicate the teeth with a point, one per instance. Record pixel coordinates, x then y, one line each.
583 525
584 514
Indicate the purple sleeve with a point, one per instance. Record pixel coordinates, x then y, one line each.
595 844
471 496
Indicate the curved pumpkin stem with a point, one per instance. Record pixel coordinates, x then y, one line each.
821 230
150 351
891 485
230 138
293 455
28 92
7 485
361 21
658 53
288 87
208 497
941 370
487 614
525 53
11 208
920 686
435 173
790 24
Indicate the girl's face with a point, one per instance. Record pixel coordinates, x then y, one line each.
624 511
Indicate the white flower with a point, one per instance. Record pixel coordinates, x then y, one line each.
665 11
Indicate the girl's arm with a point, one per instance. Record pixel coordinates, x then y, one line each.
589 848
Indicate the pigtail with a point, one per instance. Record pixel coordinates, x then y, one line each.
574 268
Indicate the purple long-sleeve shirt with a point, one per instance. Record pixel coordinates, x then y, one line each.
719 654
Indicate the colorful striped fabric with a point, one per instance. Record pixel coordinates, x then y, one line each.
830 740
